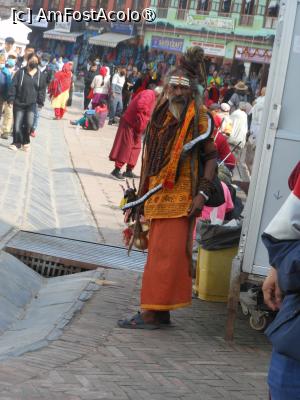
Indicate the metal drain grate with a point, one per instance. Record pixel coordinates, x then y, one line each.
54 256
46 267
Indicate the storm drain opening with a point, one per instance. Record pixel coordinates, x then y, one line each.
45 265
53 256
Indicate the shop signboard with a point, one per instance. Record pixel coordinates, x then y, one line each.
121 27
63 26
204 21
211 49
167 43
253 54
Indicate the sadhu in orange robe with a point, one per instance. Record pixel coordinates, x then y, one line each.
167 284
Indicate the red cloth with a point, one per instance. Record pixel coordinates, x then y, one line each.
62 81
294 176
128 141
223 150
139 111
59 112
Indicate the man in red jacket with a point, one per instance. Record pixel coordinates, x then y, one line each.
128 141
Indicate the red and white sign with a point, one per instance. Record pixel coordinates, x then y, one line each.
252 54
211 49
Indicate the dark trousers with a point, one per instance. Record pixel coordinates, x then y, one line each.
86 100
23 121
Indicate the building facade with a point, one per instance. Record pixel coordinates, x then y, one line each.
7 5
237 34
112 42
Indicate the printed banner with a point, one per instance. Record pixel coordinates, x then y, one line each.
204 21
211 49
167 43
252 54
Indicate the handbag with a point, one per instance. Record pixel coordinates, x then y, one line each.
90 95
284 331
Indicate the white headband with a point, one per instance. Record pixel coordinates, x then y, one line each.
179 80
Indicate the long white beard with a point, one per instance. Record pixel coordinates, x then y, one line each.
176 109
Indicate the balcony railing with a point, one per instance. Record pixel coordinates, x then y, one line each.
181 14
246 20
270 22
161 12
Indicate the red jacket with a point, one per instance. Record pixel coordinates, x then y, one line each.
139 111
223 150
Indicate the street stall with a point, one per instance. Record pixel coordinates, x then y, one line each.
19 31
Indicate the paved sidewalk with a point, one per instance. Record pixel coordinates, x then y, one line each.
95 360
41 192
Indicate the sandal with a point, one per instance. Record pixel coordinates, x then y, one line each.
137 322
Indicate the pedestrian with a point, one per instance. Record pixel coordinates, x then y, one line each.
130 80
167 279
94 118
8 47
59 90
128 141
240 94
257 114
60 63
5 79
281 291
47 76
8 71
28 89
53 67
88 79
22 60
116 102
100 86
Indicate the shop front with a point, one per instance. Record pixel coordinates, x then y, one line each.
118 45
65 40
36 37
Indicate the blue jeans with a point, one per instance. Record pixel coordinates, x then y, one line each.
23 121
115 106
36 117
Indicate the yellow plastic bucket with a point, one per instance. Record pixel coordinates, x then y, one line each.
213 274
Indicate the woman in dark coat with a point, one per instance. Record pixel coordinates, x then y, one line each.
88 79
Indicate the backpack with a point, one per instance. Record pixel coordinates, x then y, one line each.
3 83
91 122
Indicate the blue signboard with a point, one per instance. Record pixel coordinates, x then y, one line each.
124 29
167 43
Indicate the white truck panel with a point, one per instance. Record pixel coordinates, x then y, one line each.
278 149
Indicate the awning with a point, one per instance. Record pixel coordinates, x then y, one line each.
109 39
64 36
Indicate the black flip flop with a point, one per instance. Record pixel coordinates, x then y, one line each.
137 322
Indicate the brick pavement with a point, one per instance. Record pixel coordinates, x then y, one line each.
94 359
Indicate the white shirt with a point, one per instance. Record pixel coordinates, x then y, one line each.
96 84
239 128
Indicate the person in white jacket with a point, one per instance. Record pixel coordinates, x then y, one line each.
100 86
257 114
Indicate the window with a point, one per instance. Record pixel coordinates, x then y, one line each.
203 6
248 7
53 5
271 16
37 5
273 8
162 8
69 4
85 5
225 6
119 5
182 9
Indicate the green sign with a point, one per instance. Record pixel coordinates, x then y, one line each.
205 21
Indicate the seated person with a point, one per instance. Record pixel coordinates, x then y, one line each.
98 115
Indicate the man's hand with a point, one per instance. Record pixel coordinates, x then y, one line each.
196 207
271 290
